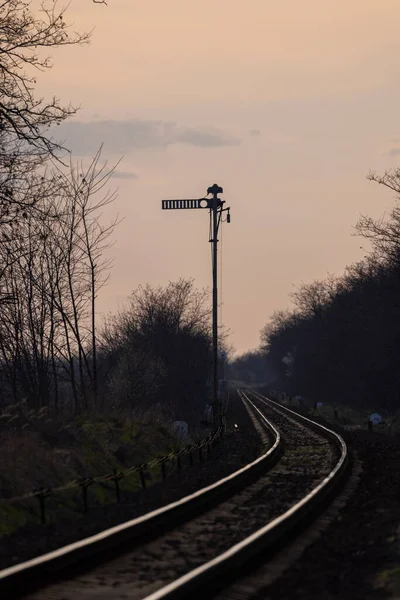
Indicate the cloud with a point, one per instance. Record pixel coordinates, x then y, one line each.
124 175
394 152
123 137
115 174
204 138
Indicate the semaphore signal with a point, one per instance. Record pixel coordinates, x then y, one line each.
216 207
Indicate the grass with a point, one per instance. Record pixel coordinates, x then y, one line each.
38 451
358 419
351 418
389 580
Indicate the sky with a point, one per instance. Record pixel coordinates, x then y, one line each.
286 105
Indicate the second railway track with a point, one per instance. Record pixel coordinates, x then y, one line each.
182 560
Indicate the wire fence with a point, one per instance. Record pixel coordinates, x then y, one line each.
174 458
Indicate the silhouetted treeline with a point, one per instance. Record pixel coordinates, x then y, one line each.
253 367
341 341
158 350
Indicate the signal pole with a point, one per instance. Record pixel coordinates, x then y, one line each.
215 190
215 206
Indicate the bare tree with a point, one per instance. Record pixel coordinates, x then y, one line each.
313 298
49 327
86 241
25 119
384 233
23 35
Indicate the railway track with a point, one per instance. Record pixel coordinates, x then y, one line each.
190 545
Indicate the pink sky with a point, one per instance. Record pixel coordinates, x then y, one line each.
318 81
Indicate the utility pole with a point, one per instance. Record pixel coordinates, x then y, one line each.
215 206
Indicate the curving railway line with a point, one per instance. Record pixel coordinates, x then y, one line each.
198 545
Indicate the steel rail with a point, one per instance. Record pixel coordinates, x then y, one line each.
335 437
32 574
273 532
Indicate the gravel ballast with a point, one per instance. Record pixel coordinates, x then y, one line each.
358 555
